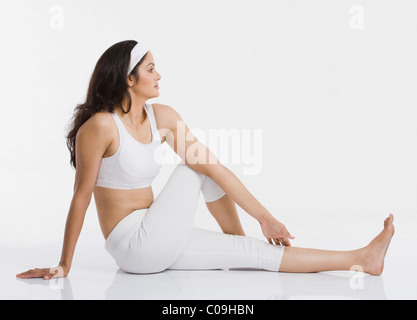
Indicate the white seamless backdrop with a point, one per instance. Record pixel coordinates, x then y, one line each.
330 84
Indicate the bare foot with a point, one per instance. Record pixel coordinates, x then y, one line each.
376 250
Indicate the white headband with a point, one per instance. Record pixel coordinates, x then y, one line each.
136 54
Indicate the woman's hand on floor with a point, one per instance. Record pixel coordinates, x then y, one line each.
59 271
276 232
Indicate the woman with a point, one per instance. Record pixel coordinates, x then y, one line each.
115 141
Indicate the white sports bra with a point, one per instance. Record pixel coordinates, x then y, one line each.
135 164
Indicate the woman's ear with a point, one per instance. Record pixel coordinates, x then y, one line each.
130 80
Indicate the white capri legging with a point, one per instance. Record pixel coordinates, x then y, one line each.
163 237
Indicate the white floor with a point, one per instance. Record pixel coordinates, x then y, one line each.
94 275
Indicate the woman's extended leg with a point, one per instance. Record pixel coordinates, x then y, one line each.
370 258
207 249
213 250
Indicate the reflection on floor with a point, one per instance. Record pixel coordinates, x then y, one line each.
223 285
94 275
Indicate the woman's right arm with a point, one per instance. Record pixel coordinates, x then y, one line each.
92 141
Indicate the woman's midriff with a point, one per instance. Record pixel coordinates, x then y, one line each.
115 204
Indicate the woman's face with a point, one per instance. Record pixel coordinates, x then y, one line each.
148 79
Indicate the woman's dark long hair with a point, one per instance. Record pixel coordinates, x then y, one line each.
107 88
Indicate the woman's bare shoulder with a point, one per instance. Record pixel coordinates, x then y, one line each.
99 119
165 115
101 124
162 109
